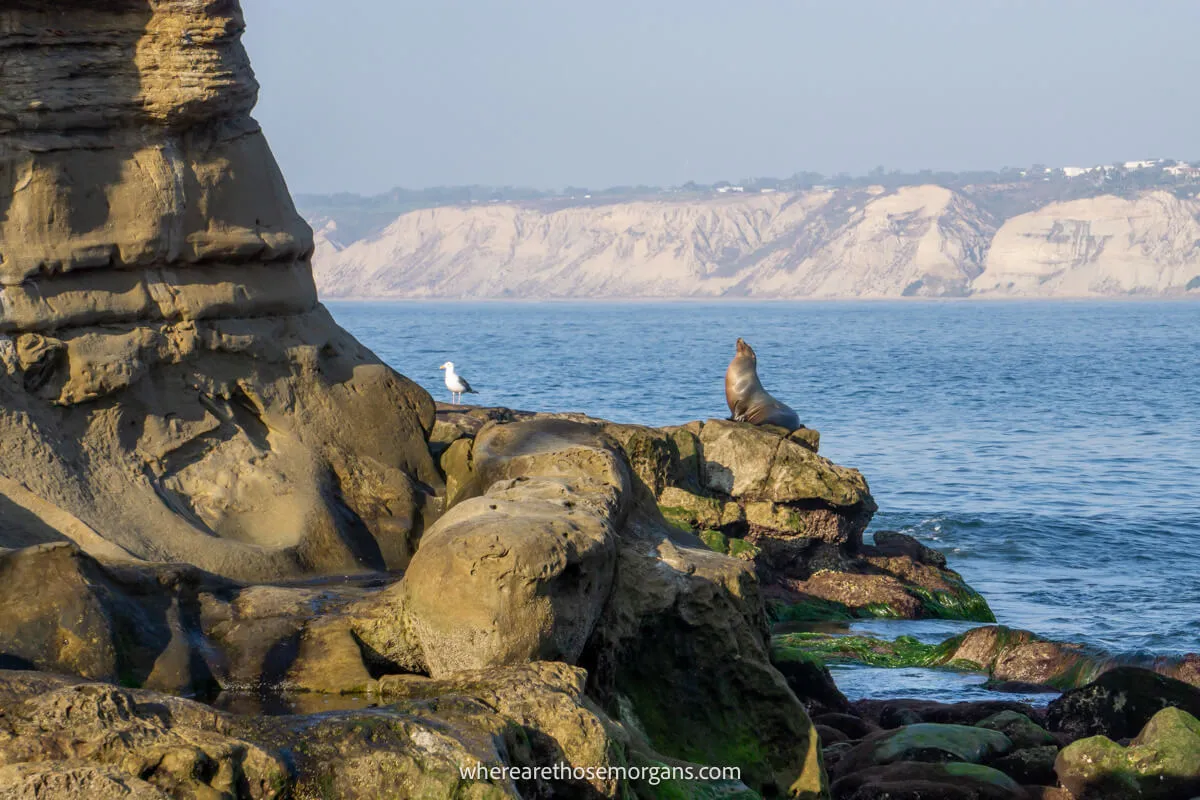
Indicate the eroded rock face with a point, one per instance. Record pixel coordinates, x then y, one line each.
160 335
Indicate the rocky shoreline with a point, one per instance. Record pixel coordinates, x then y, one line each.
240 557
557 610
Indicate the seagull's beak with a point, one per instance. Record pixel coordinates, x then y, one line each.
443 366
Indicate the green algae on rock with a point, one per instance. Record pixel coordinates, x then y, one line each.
1007 654
1161 763
904 651
766 497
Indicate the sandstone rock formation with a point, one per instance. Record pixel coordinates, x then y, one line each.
207 486
171 389
922 241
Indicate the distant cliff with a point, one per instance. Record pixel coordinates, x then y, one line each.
922 241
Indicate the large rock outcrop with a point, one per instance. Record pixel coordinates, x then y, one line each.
556 549
171 389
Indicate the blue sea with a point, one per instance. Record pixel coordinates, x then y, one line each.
1050 449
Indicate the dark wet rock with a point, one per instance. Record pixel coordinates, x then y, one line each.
925 742
830 735
854 727
137 623
876 585
891 543
1018 727
886 712
1161 763
1029 765
833 753
927 781
811 681
1119 703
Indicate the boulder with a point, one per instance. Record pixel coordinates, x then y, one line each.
1015 655
852 726
514 576
546 699
1020 729
869 585
554 447
891 543
925 741
1119 703
744 461
1033 766
887 713
927 781
521 573
1161 763
65 612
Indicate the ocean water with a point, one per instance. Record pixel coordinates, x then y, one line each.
1050 449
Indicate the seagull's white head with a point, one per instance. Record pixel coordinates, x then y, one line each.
448 365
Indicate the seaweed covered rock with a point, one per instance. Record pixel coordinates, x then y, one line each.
763 495
680 654
1161 763
1008 654
173 391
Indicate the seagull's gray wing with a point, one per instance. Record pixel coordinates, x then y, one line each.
466 386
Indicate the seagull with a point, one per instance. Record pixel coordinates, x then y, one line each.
456 383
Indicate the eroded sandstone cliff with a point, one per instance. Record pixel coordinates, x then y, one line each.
923 241
171 390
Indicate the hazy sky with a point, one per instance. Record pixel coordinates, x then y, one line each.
364 95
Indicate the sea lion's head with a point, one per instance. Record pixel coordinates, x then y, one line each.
745 351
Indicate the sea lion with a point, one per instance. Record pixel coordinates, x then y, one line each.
748 400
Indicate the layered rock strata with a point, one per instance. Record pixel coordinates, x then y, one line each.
171 390
913 241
